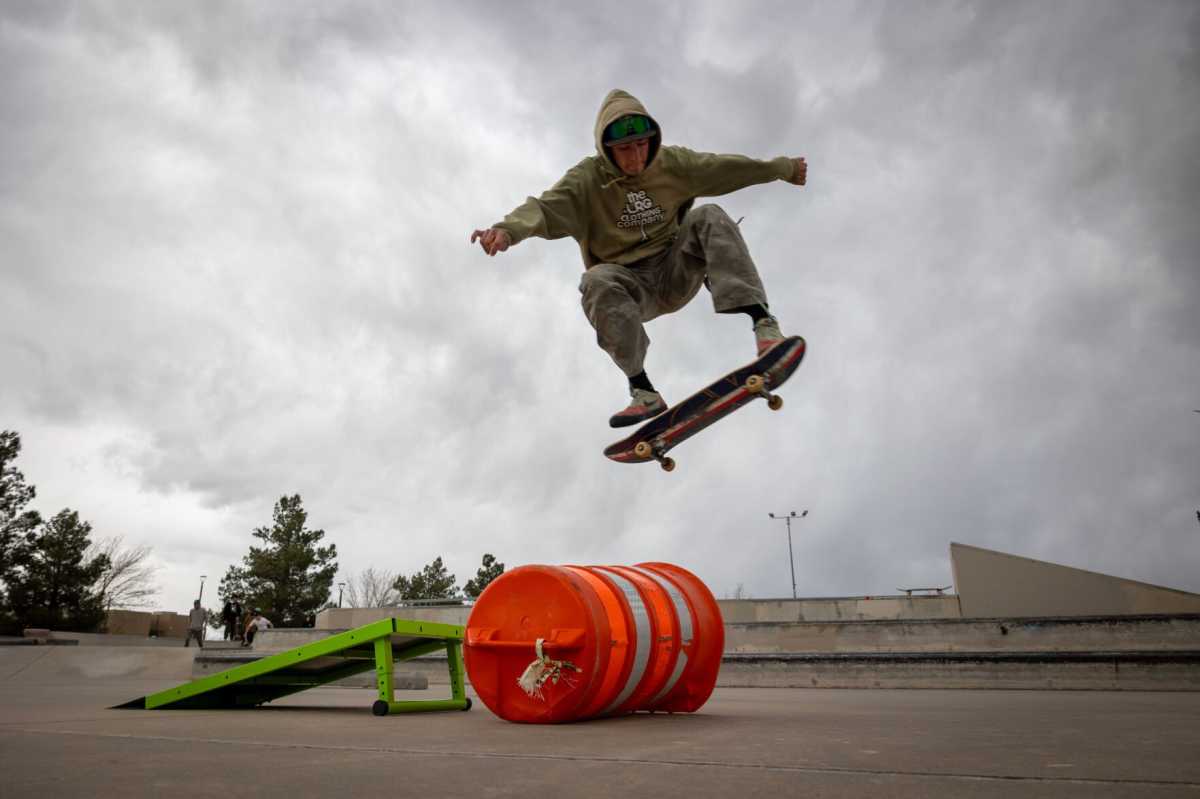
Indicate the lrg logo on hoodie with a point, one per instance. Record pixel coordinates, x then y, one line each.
640 210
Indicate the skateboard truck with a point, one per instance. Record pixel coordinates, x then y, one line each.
759 384
647 449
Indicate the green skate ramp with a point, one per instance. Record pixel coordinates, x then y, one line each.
373 646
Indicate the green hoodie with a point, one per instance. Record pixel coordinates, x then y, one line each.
620 219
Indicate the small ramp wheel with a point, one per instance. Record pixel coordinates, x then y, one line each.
380 708
754 383
667 464
775 402
643 449
468 705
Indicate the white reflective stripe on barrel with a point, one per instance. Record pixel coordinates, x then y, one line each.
684 613
641 651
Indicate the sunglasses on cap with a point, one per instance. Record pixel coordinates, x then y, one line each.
628 127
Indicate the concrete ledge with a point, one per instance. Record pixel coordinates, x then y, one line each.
1108 671
1179 632
1083 671
1039 634
849 608
70 665
6 641
281 639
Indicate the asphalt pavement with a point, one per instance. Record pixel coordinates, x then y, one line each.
61 739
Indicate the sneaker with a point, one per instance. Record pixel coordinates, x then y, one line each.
767 334
645 405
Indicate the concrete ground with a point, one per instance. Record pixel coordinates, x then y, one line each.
62 740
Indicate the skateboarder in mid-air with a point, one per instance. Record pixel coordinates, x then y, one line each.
646 249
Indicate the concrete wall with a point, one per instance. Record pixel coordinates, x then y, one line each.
69 665
278 639
349 618
104 640
992 584
146 623
128 622
856 608
1091 634
169 625
1083 671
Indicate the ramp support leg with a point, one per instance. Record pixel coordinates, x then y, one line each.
454 658
385 681
384 666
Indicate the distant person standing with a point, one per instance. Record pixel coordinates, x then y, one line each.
228 620
197 618
257 623
236 620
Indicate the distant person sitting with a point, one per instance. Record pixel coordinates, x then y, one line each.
257 622
197 618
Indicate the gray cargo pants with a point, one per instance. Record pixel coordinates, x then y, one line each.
618 299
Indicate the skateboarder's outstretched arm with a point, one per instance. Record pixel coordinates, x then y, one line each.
492 240
711 175
560 211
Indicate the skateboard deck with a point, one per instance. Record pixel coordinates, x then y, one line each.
677 424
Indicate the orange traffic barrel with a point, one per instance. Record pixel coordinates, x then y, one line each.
548 644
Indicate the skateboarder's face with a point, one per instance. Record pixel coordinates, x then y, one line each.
632 157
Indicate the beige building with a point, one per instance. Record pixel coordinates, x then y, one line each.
992 584
145 623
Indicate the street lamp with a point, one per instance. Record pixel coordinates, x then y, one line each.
203 577
791 560
340 587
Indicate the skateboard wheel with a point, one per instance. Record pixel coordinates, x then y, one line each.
775 402
668 464
380 708
754 383
642 450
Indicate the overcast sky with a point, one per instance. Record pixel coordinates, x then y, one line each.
234 264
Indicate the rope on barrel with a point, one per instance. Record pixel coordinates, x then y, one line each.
544 670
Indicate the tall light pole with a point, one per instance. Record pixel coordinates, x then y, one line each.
203 577
791 560
340 587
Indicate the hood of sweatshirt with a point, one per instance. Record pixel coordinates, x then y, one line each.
619 103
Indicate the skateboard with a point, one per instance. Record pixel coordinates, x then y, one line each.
759 378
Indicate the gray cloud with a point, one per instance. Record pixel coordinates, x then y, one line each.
235 265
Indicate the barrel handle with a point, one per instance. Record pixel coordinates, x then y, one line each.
558 640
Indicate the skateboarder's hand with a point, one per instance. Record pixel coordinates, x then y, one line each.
801 172
492 240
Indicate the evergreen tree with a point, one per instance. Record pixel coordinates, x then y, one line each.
432 582
52 585
490 570
15 523
15 494
289 577
235 585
